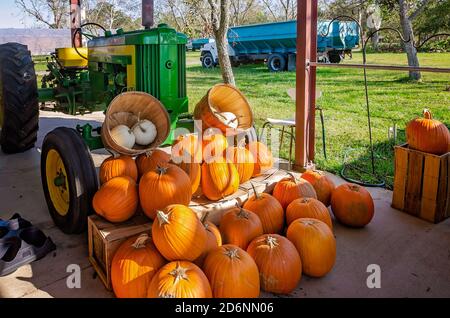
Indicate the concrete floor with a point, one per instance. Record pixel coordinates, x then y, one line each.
414 256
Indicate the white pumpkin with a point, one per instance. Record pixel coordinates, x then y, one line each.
145 132
123 136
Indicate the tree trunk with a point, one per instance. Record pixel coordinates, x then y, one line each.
408 34
375 40
360 21
221 20
224 59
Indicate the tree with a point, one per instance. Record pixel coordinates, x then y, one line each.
408 10
239 10
435 18
281 10
52 13
220 19
408 34
114 14
193 17
374 19
399 14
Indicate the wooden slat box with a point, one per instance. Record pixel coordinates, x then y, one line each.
421 184
104 238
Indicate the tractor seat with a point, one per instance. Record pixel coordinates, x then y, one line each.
69 58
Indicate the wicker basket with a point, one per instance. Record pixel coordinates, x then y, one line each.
224 98
125 109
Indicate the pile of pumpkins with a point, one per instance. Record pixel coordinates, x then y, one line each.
158 179
267 244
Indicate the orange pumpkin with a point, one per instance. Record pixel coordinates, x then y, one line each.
243 160
278 261
117 199
179 279
323 185
213 240
214 236
162 186
134 264
194 171
428 135
148 162
178 233
262 155
187 148
268 209
316 245
290 188
118 167
213 145
352 205
239 227
308 208
232 273
219 179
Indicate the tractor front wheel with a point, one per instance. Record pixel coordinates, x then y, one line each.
68 178
208 61
19 109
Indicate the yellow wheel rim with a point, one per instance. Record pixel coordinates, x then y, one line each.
57 183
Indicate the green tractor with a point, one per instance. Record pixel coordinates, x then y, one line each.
83 80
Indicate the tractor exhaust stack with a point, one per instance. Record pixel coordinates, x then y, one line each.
147 13
75 22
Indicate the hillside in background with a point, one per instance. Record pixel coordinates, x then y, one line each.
39 41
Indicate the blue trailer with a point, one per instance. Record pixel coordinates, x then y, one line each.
275 44
196 44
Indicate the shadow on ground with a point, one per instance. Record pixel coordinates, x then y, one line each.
21 191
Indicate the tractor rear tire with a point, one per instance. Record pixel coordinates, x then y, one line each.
69 179
19 107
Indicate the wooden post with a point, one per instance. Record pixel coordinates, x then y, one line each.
312 86
306 83
75 22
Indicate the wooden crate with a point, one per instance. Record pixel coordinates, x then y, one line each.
104 238
421 184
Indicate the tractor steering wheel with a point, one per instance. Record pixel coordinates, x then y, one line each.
88 35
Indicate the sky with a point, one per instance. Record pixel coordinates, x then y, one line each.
11 17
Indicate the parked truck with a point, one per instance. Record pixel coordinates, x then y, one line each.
275 44
197 44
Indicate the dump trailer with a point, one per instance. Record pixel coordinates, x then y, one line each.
275 44
197 44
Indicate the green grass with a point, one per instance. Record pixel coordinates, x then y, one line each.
40 63
393 100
